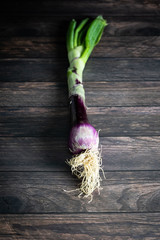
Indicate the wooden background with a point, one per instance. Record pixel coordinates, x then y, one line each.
122 86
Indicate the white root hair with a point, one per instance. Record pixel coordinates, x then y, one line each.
86 166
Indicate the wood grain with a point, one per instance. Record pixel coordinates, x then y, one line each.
101 70
99 94
56 26
59 8
46 47
84 226
122 86
43 192
49 154
54 122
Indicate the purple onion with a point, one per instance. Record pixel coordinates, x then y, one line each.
82 135
83 140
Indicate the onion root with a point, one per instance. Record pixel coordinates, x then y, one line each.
86 166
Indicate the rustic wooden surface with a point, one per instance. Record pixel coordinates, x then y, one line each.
122 83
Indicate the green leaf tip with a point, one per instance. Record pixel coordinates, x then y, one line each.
93 36
86 35
70 35
100 17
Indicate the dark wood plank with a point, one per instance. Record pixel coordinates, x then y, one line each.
54 122
56 26
72 8
33 154
43 192
49 154
128 46
40 47
97 94
139 121
70 226
101 69
40 70
34 94
34 122
120 69
122 94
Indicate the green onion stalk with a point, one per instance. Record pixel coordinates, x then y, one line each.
84 138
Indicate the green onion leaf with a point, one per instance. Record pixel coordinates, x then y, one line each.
79 28
70 35
82 34
93 36
86 35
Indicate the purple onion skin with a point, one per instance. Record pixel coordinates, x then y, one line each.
82 134
78 112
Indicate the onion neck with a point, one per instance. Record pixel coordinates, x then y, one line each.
75 72
78 112
75 87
